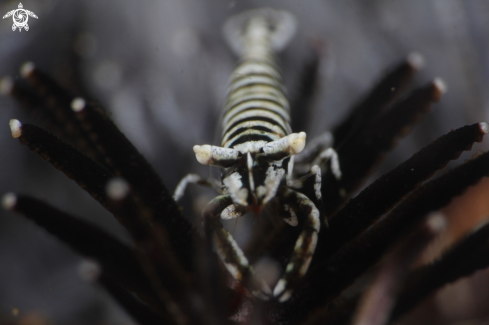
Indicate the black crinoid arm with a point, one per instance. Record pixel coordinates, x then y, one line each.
159 274
386 215
168 277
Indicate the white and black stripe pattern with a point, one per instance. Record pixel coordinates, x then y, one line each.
257 150
256 111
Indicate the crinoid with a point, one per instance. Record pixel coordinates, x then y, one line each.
171 276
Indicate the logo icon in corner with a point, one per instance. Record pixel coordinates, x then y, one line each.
20 17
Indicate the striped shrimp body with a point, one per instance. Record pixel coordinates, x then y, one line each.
257 149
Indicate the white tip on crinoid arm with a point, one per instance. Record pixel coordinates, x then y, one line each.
26 69
78 104
9 201
117 188
416 60
15 128
440 85
484 127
